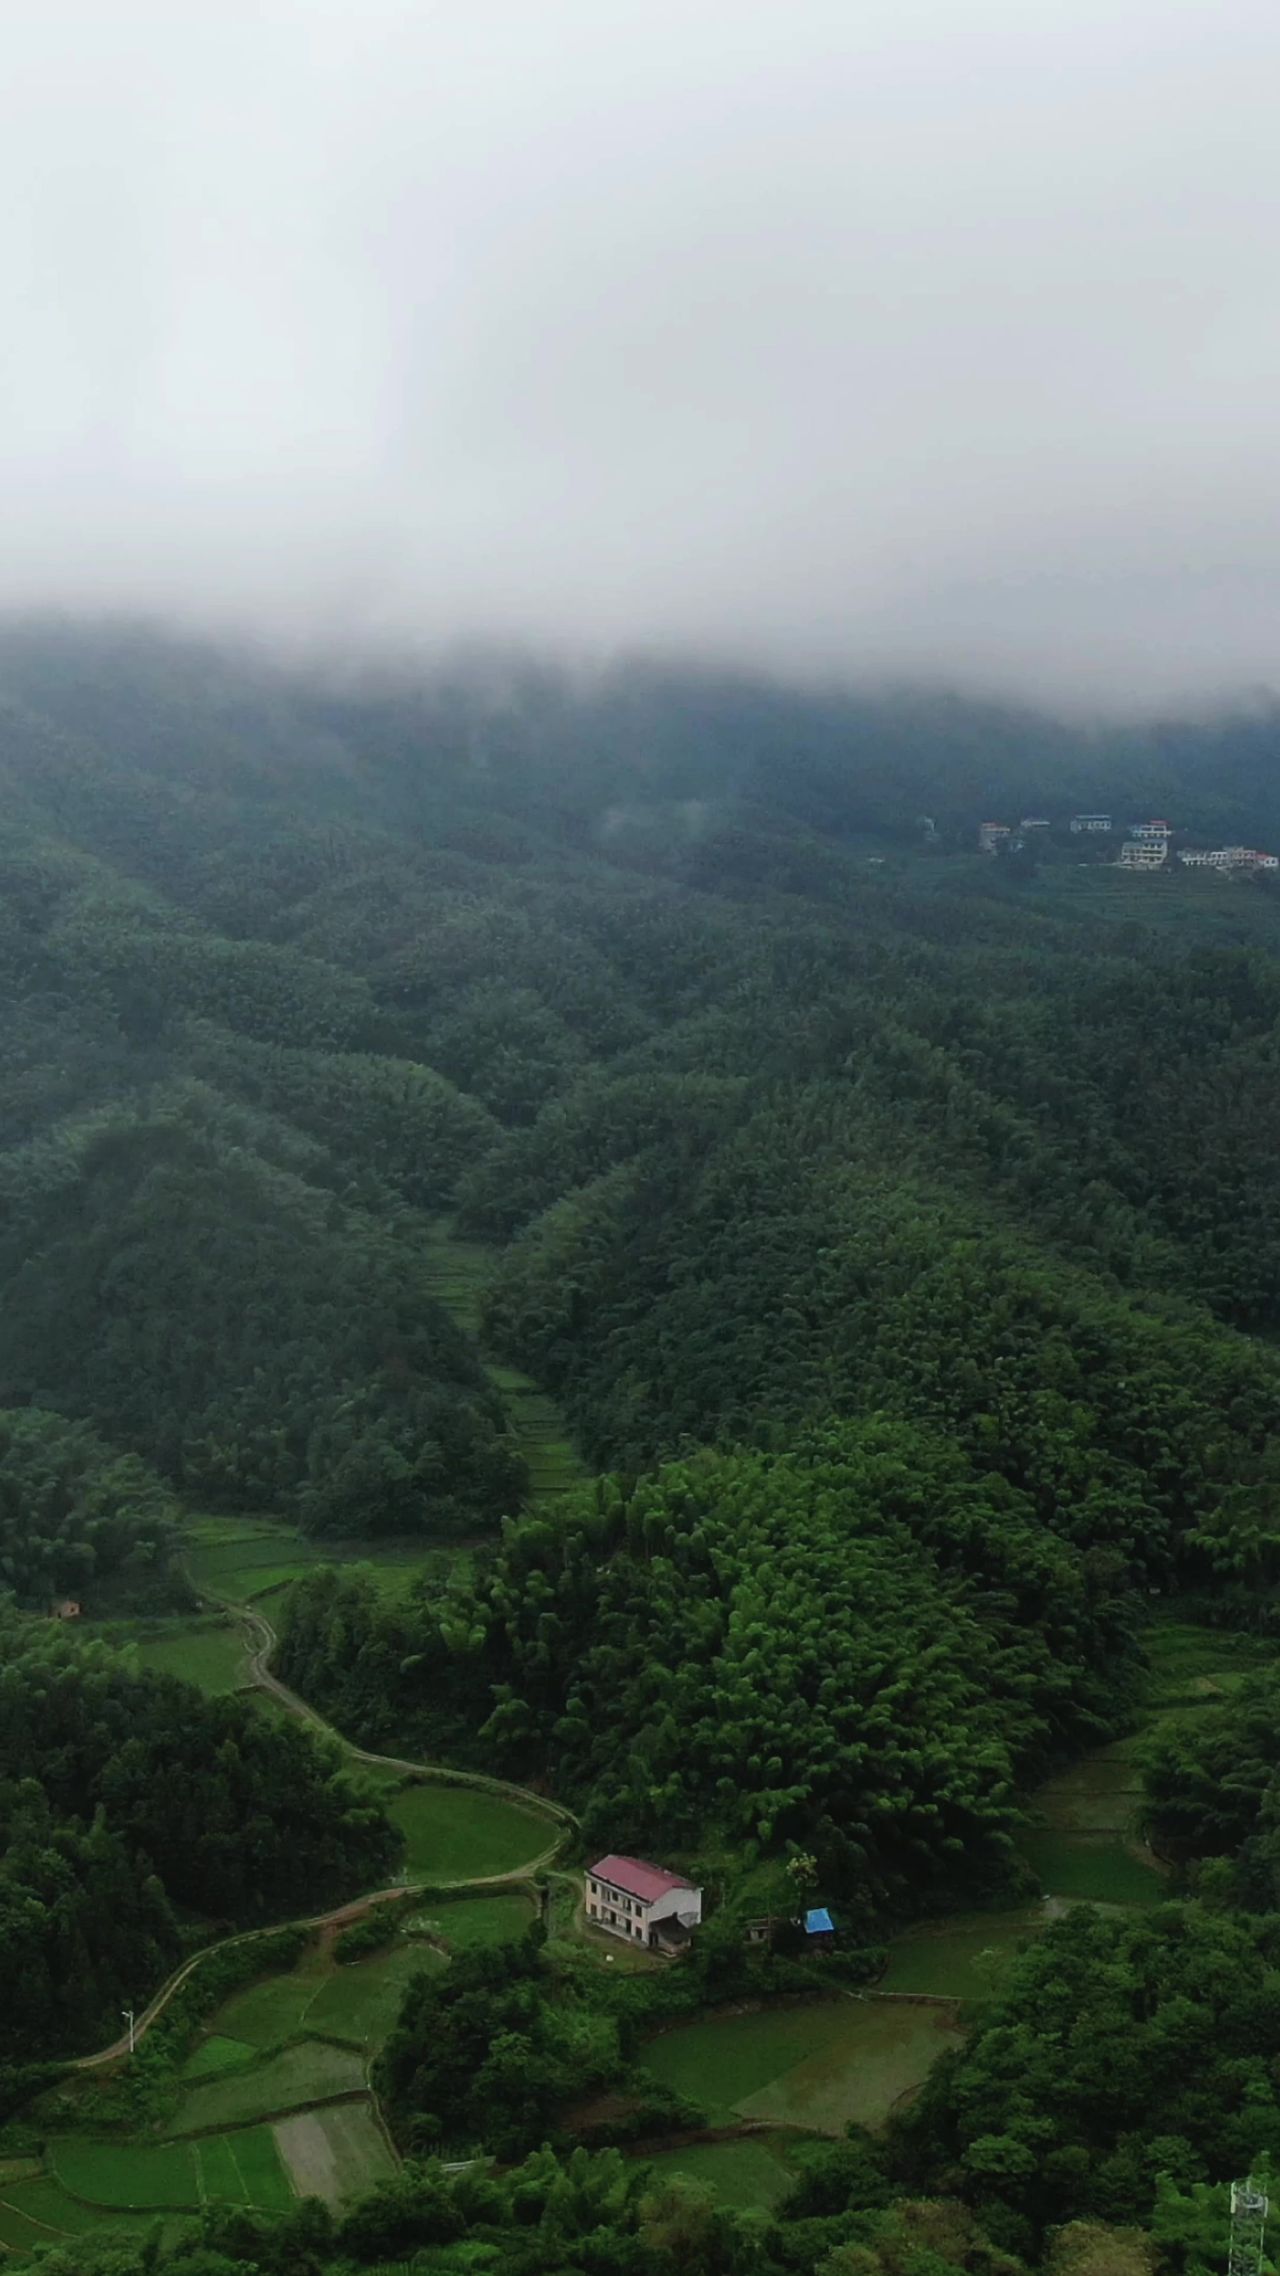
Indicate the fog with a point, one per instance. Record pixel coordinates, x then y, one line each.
844 335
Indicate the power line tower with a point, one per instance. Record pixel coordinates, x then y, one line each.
1248 2221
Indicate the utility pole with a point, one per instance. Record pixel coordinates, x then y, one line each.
127 2013
1249 2205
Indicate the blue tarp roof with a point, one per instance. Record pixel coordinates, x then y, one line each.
819 1922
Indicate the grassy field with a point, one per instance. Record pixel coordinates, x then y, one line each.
820 2065
752 2171
209 1652
334 2153
456 1833
476 1920
360 2002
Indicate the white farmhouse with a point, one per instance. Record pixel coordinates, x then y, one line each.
644 1903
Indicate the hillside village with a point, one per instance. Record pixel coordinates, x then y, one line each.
1145 846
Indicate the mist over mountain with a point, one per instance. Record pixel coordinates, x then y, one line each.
894 340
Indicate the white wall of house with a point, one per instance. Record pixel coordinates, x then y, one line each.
620 1914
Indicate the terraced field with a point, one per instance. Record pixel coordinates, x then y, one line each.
459 1270
246 1559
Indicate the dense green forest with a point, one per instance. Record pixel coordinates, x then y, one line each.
133 1810
74 1512
900 1233
861 1646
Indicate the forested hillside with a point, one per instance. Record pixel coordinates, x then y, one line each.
766 1134
132 1808
900 1233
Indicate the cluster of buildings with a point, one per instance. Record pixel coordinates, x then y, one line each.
1147 845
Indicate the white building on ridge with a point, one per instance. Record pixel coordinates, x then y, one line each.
1144 853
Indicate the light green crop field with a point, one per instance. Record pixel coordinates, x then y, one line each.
334 2153
357 2003
744 2173
305 2072
456 1833
819 2066
244 2168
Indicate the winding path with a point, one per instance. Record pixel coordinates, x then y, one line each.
261 1639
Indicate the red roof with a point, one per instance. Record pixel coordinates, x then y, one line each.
648 1882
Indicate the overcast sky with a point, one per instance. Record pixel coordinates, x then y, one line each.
919 334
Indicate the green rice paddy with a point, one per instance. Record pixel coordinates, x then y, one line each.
821 2065
143 2177
461 1833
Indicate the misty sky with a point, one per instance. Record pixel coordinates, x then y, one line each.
905 334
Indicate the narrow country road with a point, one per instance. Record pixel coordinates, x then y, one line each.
261 1640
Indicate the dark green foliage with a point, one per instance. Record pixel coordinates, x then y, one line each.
72 1511
489 2054
128 1801
1122 2049
379 1928
1213 1789
254 1334
862 1646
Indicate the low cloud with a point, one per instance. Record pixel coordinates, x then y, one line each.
894 336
